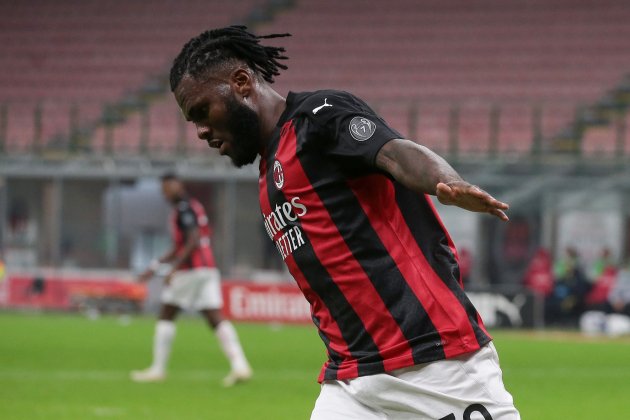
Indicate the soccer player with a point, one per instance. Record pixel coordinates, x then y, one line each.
344 198
191 281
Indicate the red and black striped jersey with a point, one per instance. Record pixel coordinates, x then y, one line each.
188 214
371 256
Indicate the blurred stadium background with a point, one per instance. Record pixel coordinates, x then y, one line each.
528 99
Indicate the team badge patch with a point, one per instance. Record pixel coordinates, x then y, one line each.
361 128
278 175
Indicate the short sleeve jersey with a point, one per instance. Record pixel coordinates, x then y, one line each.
371 256
189 214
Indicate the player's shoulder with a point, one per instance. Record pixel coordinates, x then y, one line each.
318 101
325 107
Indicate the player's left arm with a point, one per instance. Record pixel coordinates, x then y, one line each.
420 169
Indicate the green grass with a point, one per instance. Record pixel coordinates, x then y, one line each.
69 367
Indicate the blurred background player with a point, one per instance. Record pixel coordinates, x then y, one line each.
191 281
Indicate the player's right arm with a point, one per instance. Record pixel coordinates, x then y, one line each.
154 265
351 131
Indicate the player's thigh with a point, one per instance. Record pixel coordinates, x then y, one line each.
469 387
182 290
483 368
209 296
168 312
335 403
212 316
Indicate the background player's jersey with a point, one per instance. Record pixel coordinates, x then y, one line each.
188 214
371 256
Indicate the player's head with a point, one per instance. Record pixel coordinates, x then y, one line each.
217 79
172 187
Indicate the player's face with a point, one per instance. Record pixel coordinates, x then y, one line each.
171 189
221 118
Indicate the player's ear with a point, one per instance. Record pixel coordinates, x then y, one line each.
241 81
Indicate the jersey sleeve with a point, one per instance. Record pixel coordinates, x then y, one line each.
349 128
186 218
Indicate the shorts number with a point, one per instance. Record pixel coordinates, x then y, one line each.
474 408
477 408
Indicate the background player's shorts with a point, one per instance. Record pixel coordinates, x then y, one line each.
469 387
195 289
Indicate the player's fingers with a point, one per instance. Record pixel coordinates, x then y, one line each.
497 204
500 214
477 192
487 198
502 205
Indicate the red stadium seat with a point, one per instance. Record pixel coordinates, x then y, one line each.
90 53
432 53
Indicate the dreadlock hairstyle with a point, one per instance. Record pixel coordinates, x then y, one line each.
220 45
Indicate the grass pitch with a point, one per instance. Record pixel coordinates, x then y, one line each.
70 367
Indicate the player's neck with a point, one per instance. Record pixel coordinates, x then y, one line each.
272 105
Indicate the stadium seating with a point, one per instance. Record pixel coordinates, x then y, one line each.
84 54
527 58
608 139
480 76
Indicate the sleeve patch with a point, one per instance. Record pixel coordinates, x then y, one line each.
361 129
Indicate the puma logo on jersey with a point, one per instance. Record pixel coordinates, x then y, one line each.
316 110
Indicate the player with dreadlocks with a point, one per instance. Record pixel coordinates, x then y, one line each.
345 199
222 50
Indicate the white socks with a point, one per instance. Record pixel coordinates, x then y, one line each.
162 341
231 346
225 332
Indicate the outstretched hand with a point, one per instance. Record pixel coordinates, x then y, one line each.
470 197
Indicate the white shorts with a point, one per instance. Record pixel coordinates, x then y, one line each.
469 387
195 289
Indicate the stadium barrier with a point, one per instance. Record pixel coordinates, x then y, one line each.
72 291
509 307
499 306
246 301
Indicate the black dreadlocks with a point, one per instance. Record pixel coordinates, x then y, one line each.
220 45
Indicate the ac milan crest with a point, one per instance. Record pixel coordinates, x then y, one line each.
278 175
